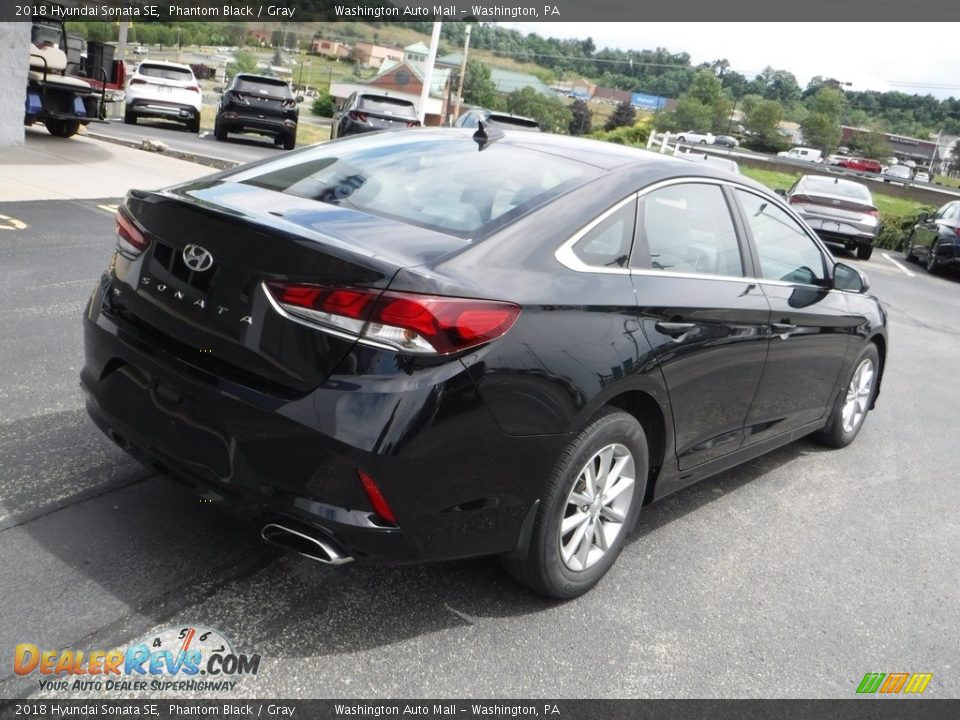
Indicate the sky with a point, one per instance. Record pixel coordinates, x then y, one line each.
907 57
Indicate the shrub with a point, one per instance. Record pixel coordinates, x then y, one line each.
895 228
636 135
323 104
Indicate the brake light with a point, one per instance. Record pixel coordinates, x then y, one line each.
194 88
407 322
379 502
138 81
956 231
130 241
357 115
413 123
873 213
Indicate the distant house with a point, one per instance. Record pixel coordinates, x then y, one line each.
926 153
373 56
507 81
791 131
612 95
416 53
329 48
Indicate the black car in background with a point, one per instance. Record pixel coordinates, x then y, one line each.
839 211
472 118
445 344
367 112
935 239
261 105
727 141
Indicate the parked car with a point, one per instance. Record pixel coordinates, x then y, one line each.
726 141
839 211
367 112
163 90
921 177
471 118
897 173
834 159
139 50
862 165
696 138
260 105
934 239
430 348
802 153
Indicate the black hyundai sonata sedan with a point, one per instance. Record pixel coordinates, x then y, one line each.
441 344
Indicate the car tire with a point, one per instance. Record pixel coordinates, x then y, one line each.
62 128
289 141
613 446
864 252
194 125
219 131
933 262
854 400
681 138
908 250
129 118
703 142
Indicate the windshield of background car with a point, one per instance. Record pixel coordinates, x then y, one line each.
826 186
165 72
438 182
265 88
386 106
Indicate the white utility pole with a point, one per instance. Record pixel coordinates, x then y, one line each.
463 71
428 72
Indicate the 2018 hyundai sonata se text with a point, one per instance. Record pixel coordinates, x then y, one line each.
437 344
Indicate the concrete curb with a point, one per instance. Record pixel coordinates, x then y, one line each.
205 160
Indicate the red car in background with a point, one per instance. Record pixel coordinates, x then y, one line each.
861 164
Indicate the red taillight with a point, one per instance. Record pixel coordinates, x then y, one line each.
130 241
956 231
413 123
873 213
357 115
408 322
137 81
194 88
379 502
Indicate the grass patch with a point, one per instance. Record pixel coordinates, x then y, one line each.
773 179
947 181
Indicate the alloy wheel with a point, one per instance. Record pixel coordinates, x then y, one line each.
858 396
597 507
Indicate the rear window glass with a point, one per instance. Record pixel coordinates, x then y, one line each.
828 186
167 73
257 86
438 182
390 106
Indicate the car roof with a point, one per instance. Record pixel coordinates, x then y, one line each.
251 76
166 63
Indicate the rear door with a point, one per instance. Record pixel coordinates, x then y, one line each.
705 317
811 324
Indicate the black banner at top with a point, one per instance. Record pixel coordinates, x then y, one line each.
476 10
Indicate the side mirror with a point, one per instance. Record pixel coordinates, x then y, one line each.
923 217
781 192
849 278
218 90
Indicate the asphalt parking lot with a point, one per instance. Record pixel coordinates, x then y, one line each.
790 576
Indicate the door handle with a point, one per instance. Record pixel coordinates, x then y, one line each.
784 330
674 329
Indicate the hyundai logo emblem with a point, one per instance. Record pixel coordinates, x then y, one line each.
197 258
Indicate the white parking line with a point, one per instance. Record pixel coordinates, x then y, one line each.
907 272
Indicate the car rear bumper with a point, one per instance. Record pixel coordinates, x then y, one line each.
161 109
838 231
237 122
458 488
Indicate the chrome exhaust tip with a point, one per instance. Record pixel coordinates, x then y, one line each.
322 550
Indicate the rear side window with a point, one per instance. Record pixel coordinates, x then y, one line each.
688 229
435 181
167 73
785 251
829 186
387 106
608 243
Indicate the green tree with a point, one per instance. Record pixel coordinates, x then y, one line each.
870 144
323 104
582 121
478 88
244 61
688 114
623 115
552 114
827 101
821 131
762 118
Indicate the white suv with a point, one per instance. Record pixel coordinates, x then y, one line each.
164 90
695 138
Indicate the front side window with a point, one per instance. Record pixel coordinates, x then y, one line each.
784 250
688 229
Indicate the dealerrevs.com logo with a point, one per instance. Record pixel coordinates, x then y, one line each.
174 659
894 683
